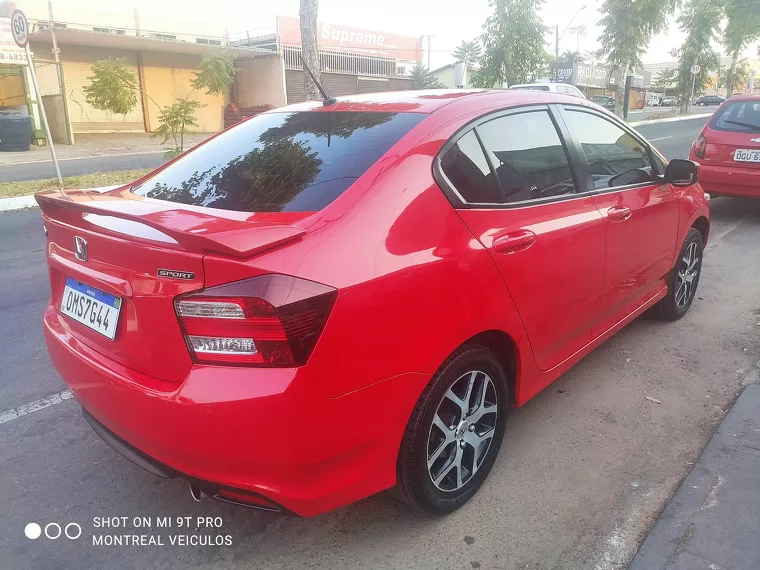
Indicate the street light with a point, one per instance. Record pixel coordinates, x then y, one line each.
559 37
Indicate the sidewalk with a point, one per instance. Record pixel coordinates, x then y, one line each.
105 144
713 520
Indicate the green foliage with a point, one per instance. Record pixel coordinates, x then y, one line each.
468 51
665 78
112 87
699 20
742 28
423 79
628 26
514 49
173 122
569 57
216 75
740 76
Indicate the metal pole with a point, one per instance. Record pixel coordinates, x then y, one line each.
556 54
56 51
41 107
428 65
693 81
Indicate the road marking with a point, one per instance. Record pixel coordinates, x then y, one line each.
660 138
36 406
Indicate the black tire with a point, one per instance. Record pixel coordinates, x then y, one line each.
672 307
415 485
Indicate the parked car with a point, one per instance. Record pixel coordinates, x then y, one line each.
710 100
563 88
668 101
728 148
605 101
326 301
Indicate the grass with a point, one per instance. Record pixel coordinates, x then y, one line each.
92 180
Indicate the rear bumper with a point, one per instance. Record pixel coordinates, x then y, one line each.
730 180
271 432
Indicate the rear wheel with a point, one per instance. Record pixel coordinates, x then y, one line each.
683 279
455 432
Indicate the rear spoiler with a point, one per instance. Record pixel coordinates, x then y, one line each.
194 231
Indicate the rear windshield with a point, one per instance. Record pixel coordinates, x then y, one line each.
532 88
601 99
280 162
738 116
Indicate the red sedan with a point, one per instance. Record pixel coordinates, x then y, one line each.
728 149
327 301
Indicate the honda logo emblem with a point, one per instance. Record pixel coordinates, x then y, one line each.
80 248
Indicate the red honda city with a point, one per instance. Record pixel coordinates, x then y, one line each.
728 149
329 300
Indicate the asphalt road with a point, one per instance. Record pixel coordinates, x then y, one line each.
585 468
75 166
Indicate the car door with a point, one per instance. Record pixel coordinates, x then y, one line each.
640 212
514 184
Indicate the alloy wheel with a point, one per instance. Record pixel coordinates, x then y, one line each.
462 430
687 273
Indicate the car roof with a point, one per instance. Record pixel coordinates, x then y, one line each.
745 97
430 100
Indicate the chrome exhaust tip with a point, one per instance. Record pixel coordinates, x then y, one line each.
196 493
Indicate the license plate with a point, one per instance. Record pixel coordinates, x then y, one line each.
746 155
92 307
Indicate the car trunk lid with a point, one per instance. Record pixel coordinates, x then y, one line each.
146 253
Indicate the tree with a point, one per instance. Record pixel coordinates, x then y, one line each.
423 79
736 79
742 28
627 28
468 51
699 20
309 50
570 57
113 88
514 49
665 79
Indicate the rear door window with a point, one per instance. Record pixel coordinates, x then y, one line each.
281 162
467 169
738 116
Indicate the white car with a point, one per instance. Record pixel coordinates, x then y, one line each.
553 87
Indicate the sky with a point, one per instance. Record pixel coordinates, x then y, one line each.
446 21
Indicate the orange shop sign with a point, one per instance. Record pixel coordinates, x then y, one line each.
367 42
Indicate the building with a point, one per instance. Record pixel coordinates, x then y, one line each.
453 75
352 60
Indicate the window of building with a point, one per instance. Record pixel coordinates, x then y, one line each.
614 157
208 42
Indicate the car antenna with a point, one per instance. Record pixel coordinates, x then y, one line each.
326 99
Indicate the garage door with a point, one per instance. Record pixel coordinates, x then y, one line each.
77 70
335 84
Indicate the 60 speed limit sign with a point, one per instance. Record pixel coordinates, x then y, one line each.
19 28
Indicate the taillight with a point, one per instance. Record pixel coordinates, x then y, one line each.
700 146
270 320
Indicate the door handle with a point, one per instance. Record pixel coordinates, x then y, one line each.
514 242
619 213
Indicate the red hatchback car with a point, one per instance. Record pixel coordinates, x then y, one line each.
728 149
327 301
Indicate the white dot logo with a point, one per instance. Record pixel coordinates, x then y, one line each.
49 534
32 531
75 528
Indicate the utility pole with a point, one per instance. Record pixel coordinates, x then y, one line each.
428 58
556 53
56 51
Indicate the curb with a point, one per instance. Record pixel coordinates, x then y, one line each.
669 119
24 202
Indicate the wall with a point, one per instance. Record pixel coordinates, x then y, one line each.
12 92
56 116
260 81
166 77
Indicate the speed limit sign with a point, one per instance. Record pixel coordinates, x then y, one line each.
695 69
19 28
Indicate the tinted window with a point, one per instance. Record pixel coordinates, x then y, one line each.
466 167
528 156
738 116
614 157
280 162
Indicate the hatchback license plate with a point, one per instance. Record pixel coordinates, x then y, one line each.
92 307
746 155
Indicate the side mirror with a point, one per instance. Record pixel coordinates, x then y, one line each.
681 173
